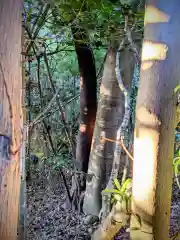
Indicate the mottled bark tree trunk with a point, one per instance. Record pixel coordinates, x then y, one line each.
10 116
113 219
109 117
88 98
125 88
155 121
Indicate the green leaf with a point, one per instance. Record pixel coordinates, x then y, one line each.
117 184
176 164
177 89
177 159
39 154
111 191
125 184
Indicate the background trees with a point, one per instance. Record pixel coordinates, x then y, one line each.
74 54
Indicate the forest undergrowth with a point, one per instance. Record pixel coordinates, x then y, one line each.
48 220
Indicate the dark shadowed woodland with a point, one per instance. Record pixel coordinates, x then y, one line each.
89 120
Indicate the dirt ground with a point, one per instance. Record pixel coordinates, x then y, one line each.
48 220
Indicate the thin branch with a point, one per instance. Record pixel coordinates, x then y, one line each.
102 66
41 102
41 114
37 18
60 105
133 46
125 92
41 23
121 143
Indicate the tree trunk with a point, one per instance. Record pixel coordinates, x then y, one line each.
88 98
119 156
155 121
109 116
117 217
10 116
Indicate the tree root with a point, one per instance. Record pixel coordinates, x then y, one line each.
118 218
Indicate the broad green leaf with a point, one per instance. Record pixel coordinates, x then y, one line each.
117 184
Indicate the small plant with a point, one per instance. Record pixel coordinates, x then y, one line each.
59 161
121 192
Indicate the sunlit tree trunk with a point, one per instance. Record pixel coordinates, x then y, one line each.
10 116
155 121
109 117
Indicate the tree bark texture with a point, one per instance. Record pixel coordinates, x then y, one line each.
10 116
155 121
109 117
88 98
118 163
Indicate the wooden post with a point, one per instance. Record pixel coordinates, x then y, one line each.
10 116
155 122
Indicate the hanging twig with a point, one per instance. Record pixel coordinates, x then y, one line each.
133 46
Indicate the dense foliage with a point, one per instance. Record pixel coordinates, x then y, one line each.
49 27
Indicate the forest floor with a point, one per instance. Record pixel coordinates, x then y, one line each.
48 220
